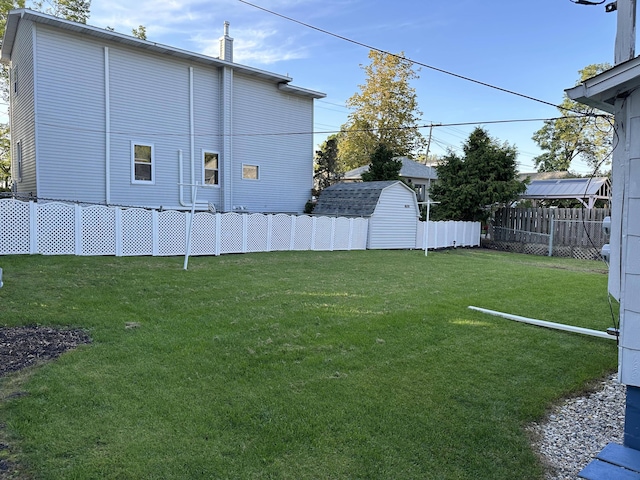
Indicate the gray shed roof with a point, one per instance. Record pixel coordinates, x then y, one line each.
16 15
352 199
410 169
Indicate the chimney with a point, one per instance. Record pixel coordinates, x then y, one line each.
226 45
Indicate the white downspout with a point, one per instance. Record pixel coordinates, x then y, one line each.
107 120
192 154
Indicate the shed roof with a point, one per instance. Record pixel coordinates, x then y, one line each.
353 199
15 16
410 169
585 190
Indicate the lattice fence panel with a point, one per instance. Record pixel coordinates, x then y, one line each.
257 225
281 232
14 227
56 229
203 234
98 231
137 232
172 233
303 234
231 233
341 234
323 233
359 234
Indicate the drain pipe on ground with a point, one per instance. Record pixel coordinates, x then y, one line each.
543 323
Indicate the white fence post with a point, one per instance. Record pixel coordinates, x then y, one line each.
292 238
155 233
33 227
269 231
245 231
77 230
218 238
118 225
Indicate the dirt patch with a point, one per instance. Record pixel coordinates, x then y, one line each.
22 347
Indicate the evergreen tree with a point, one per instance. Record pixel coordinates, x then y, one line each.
383 165
468 187
326 168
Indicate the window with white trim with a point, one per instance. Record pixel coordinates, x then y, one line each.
19 161
250 172
142 168
211 168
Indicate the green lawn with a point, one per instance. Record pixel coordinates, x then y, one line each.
296 365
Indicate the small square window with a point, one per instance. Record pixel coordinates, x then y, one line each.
250 172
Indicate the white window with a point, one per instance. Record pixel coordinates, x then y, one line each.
19 161
250 172
211 168
14 75
142 167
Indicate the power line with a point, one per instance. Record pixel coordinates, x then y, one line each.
276 134
431 67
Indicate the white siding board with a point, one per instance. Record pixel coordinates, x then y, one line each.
267 132
22 115
70 117
149 104
207 126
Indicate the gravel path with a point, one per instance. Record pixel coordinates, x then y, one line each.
575 431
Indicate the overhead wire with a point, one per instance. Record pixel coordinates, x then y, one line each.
415 62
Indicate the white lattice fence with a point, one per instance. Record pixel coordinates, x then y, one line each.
98 231
136 232
15 237
58 229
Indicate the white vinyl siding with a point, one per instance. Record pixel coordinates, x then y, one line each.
23 131
267 127
70 116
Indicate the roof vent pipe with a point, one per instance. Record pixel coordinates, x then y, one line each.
226 45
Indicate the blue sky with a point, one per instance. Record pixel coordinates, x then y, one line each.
534 47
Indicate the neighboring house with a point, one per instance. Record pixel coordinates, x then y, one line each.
585 190
419 175
105 118
391 207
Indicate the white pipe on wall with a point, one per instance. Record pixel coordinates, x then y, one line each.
543 323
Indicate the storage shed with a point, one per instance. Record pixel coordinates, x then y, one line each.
391 207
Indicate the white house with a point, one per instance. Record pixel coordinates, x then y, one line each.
105 118
391 207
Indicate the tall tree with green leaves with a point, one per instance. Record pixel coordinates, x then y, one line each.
140 32
577 134
384 165
385 111
326 170
74 10
469 186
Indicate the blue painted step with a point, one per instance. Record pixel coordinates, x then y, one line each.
614 462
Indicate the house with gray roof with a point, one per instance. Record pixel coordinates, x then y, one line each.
391 207
416 174
105 118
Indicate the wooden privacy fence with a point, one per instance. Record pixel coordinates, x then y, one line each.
562 232
65 229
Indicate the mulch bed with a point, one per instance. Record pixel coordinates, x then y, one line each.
22 347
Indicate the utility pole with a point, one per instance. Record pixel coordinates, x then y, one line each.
625 48
431 125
